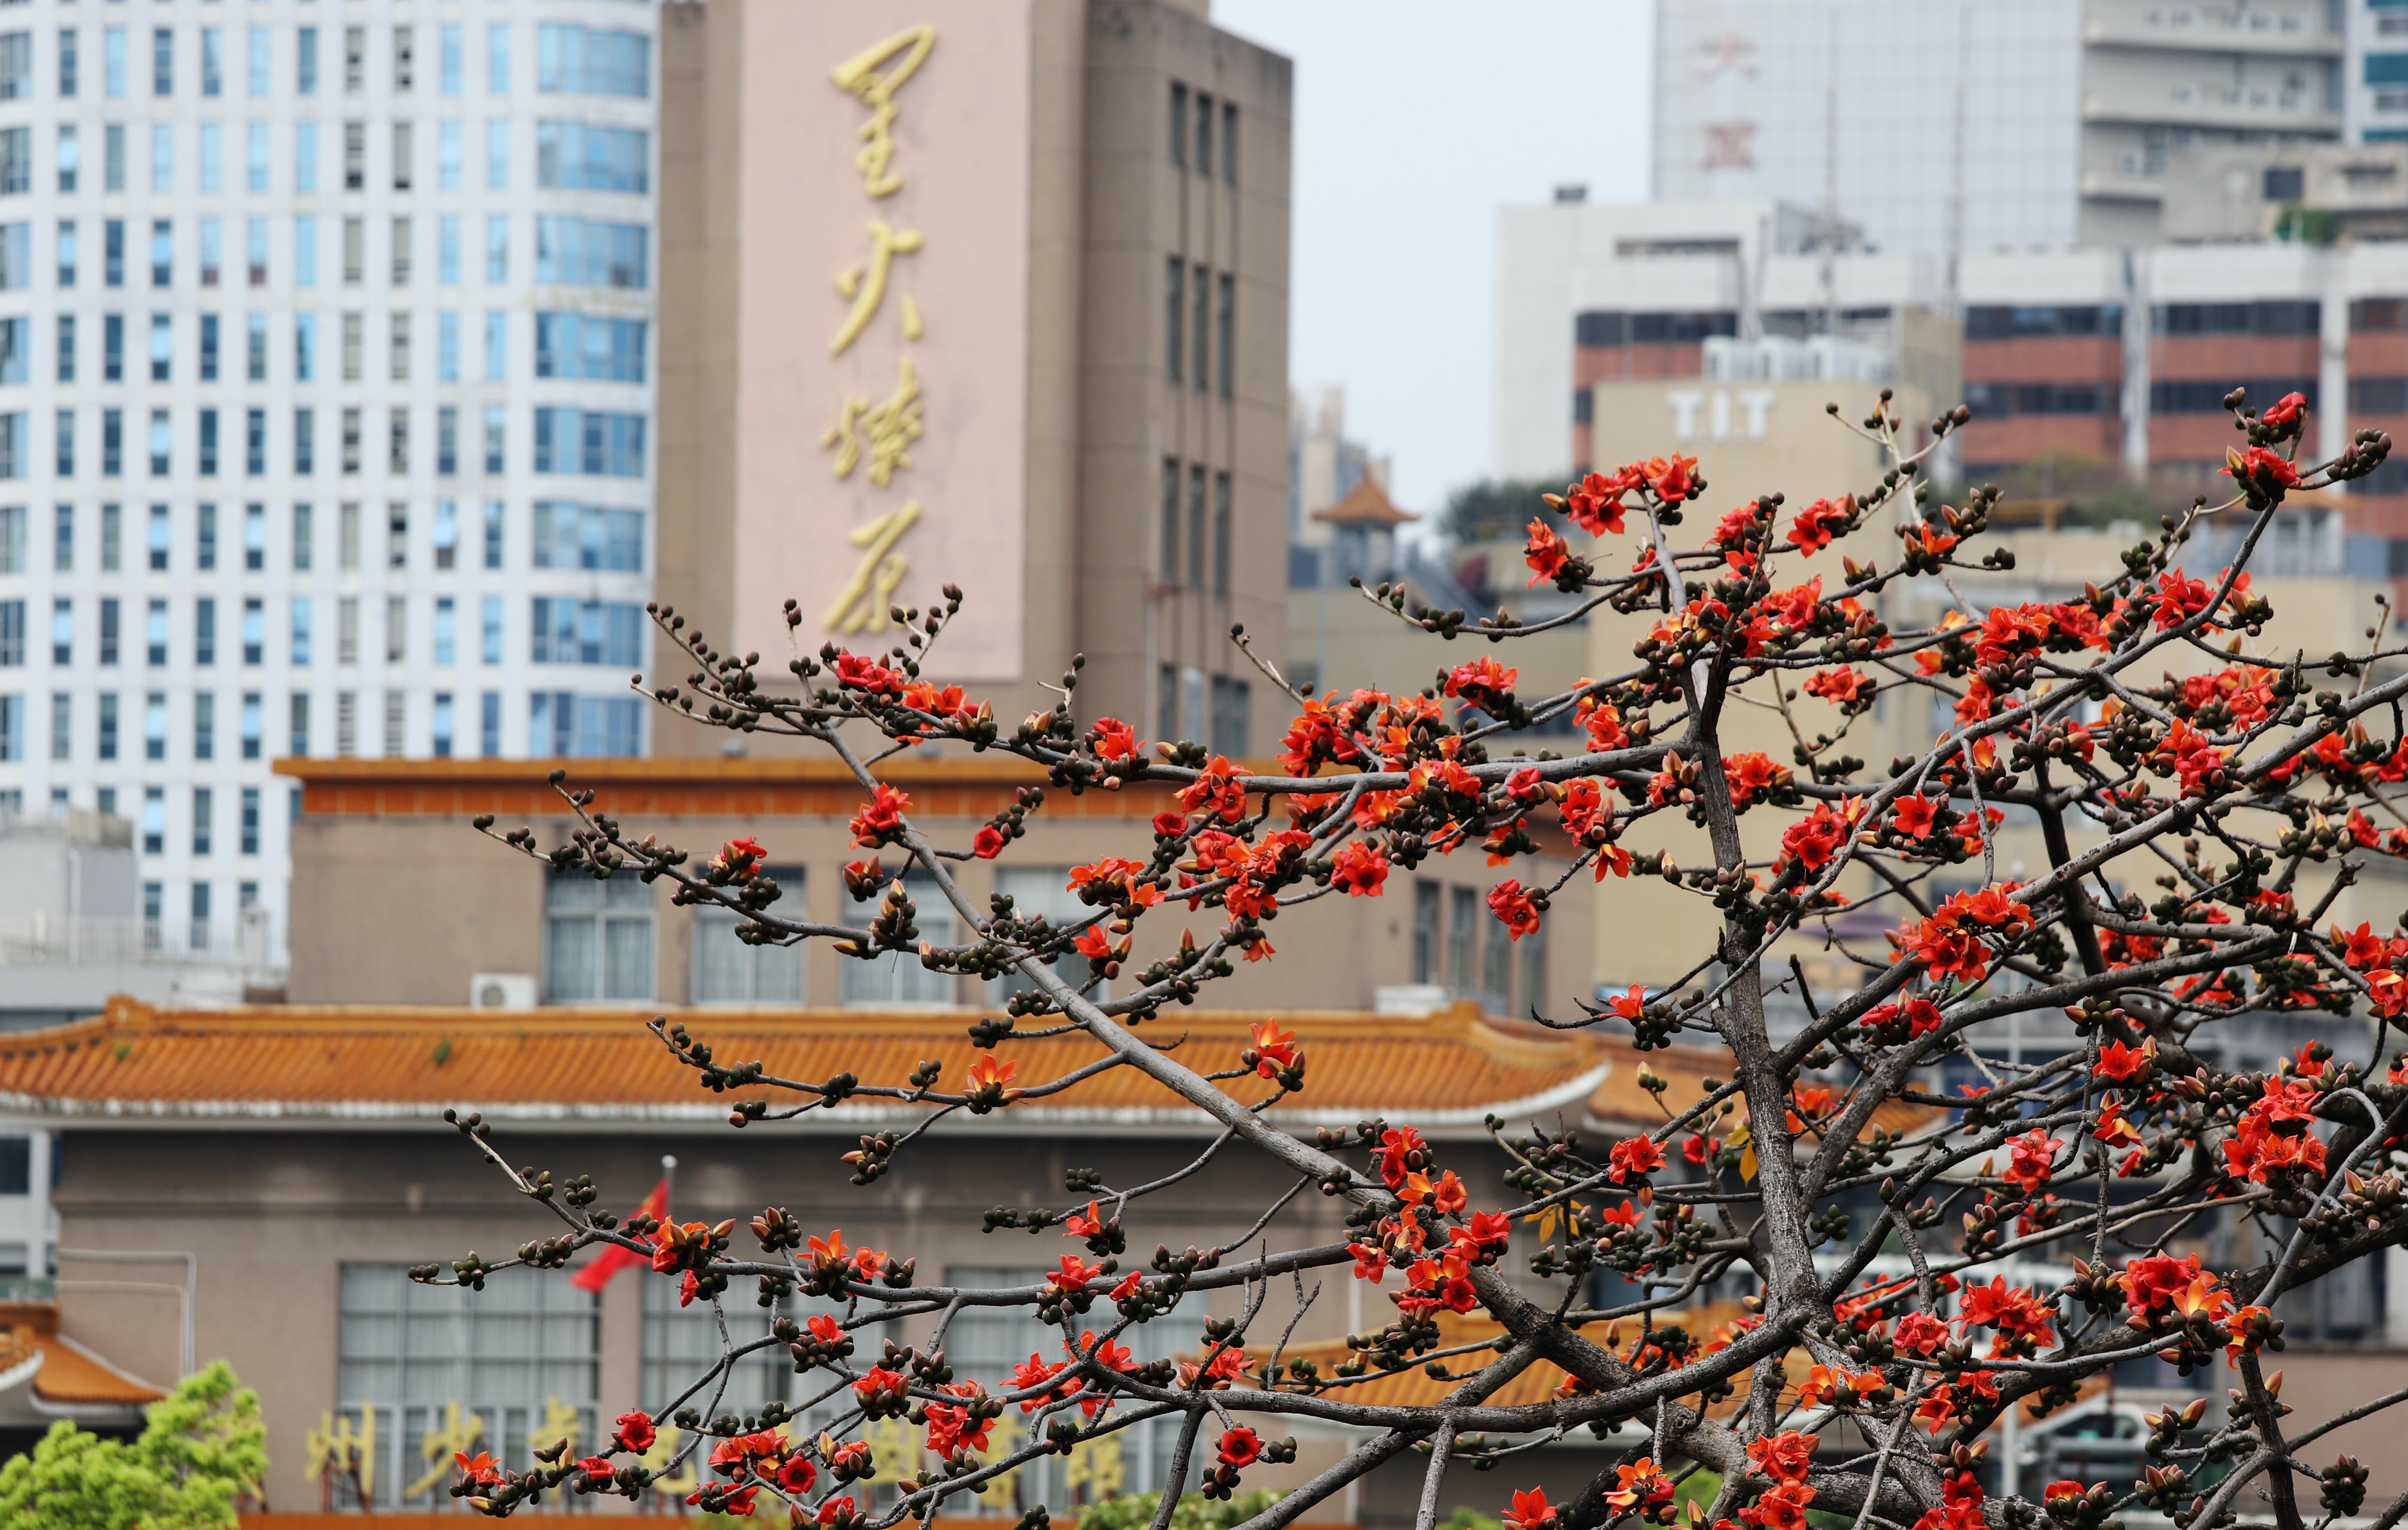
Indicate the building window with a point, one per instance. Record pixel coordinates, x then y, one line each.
727 971
441 726
597 939
203 815
154 823
1171 520
1174 318
1221 535
600 443
1179 124
1226 318
1038 892
1203 341
570 632
589 347
1463 925
523 1355
566 724
897 979
573 536
1426 912
1232 703
296 721
587 61
588 156
585 252
489 724
254 631
249 840
1197 526
253 723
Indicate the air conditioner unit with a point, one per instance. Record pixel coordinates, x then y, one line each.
502 991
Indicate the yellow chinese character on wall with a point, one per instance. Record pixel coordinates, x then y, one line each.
865 284
887 428
665 1444
859 77
862 605
345 1448
560 1422
893 1448
455 1435
1004 1437
1096 1465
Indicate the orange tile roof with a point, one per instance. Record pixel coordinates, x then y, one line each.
70 1375
1366 504
1539 1382
135 1064
1686 1068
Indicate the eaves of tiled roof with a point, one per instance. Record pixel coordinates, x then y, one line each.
322 1067
65 1376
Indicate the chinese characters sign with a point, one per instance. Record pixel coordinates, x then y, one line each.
883 352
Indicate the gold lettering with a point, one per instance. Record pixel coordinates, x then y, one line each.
1095 1464
665 1444
1001 1441
887 428
440 1443
560 1422
861 605
892 1446
345 1448
858 77
866 284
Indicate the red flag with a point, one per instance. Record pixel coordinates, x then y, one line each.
598 1271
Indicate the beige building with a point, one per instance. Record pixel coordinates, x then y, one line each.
991 292
1646 934
297 1154
386 844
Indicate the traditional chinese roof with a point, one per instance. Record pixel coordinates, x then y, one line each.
1619 1098
345 1065
1537 1382
1366 504
65 1376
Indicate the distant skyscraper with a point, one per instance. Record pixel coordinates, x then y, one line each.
2064 108
325 407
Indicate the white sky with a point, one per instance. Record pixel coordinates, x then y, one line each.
1415 119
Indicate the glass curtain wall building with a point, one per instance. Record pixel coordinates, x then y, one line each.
326 408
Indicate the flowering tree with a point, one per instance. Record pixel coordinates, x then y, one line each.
2245 797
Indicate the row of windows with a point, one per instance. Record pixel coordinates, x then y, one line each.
1601 327
568 346
1216 711
567 441
1192 136
1994 322
2000 401
565 534
570 155
1188 302
2187 396
561 630
569 251
563 723
2287 316
1196 538
1457 946
569 60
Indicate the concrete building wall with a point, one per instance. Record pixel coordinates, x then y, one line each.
474 907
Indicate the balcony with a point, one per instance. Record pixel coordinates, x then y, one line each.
2259 34
2236 108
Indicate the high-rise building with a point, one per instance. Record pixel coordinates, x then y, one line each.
1960 126
325 407
987 293
2374 79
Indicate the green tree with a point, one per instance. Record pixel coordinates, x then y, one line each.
202 1449
1193 1512
1495 508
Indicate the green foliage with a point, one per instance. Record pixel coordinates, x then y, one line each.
1469 1519
1491 509
202 1449
1700 1488
1193 1512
